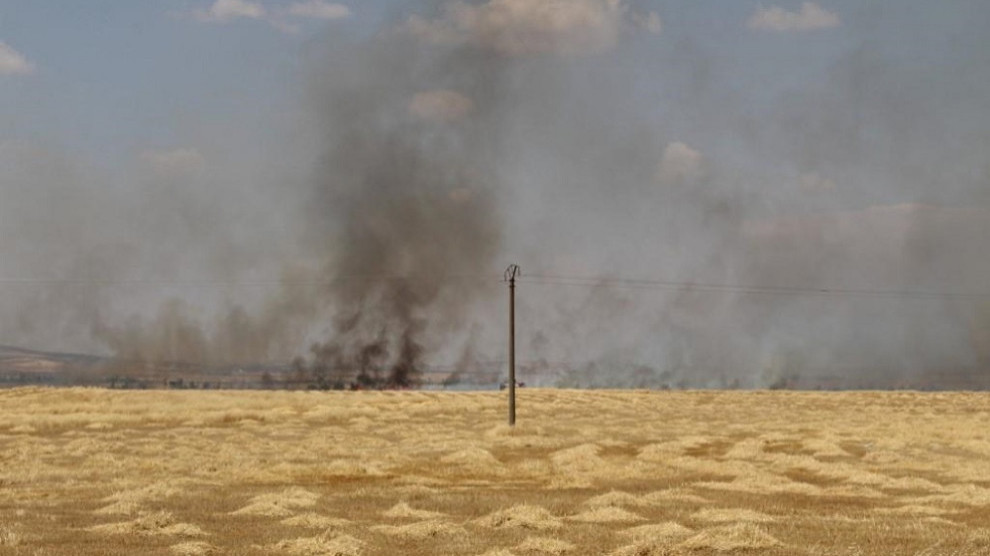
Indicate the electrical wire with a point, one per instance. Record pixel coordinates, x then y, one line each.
639 283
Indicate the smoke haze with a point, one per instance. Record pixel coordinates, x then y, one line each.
577 138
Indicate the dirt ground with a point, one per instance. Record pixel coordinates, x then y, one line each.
89 471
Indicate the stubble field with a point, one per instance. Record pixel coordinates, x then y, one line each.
87 471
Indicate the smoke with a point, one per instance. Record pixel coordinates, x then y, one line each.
575 138
405 201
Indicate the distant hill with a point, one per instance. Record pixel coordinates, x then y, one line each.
21 366
28 366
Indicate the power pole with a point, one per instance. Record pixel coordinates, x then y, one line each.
510 277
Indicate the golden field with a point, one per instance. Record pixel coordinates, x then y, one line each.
88 471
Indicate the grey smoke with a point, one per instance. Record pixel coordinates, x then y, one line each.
434 160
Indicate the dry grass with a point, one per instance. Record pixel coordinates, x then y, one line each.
609 514
87 471
731 538
279 504
160 523
531 517
544 545
194 548
323 545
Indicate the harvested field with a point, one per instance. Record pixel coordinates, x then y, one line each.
87 471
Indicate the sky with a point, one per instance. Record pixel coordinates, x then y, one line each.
831 144
106 80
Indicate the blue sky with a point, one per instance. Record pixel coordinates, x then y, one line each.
112 78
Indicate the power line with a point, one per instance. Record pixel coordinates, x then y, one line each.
654 284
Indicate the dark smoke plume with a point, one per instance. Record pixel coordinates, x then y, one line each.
406 200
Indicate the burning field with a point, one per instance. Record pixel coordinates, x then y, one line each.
711 197
88 471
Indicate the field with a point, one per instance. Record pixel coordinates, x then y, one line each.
89 471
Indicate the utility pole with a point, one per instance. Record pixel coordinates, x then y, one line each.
510 277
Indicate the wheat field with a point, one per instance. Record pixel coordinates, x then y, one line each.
89 471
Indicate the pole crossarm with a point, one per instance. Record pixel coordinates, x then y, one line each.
511 273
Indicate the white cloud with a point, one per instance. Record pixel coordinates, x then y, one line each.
440 105
184 160
13 62
279 17
319 9
811 16
224 10
680 163
521 27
